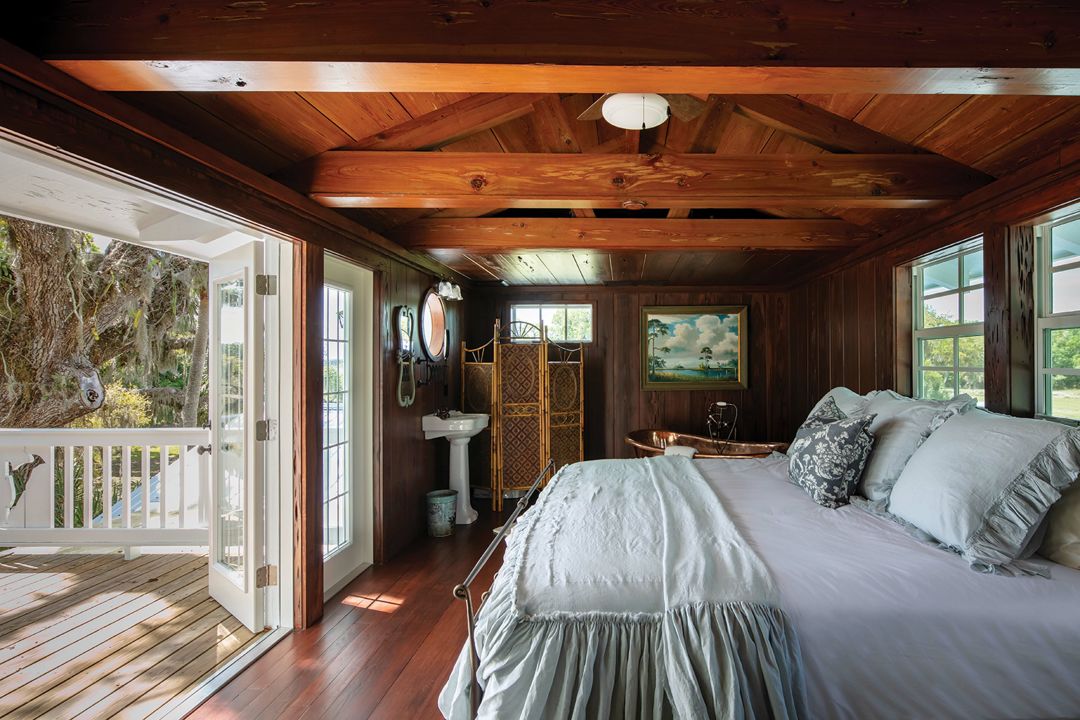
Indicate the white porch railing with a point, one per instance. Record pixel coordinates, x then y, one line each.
126 487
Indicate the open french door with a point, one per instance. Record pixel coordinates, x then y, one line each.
237 525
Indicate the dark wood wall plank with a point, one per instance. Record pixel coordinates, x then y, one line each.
307 439
1009 260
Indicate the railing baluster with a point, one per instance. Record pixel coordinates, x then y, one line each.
125 485
146 486
163 481
50 472
106 485
69 486
88 486
204 488
181 462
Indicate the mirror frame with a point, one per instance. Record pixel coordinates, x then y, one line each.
424 340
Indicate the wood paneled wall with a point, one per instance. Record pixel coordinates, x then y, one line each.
614 400
410 465
844 332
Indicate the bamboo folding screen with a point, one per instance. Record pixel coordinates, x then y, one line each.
533 391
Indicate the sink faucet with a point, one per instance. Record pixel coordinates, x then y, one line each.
443 413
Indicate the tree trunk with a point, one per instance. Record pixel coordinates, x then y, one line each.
189 416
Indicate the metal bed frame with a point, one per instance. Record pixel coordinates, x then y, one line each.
463 592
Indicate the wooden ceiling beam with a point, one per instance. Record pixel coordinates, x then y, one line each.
451 123
952 46
446 180
816 125
322 76
632 234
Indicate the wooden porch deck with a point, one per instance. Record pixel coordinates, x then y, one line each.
95 636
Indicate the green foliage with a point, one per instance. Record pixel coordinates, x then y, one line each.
124 408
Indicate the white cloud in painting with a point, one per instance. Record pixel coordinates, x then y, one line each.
689 335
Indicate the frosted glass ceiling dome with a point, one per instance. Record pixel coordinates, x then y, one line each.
635 111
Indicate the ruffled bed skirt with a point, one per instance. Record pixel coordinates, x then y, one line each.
705 661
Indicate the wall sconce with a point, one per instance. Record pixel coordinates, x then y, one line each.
448 290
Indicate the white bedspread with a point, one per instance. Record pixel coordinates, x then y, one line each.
628 592
893 628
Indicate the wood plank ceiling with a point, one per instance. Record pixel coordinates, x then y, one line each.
285 133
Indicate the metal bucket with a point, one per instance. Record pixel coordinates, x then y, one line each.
441 512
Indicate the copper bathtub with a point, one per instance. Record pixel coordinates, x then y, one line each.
653 442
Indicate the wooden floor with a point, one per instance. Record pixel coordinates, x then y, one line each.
384 648
95 636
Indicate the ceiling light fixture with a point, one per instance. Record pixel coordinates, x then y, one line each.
635 111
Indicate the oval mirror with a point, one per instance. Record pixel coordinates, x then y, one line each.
433 326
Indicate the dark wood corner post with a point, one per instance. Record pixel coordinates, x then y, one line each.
307 447
1009 265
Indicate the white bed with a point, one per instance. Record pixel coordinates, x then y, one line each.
893 628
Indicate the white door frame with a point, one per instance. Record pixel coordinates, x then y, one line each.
348 562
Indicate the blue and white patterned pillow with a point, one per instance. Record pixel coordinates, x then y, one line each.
829 454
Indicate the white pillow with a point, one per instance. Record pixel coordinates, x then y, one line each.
1062 541
901 426
983 482
850 402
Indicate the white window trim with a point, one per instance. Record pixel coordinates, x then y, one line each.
958 331
1047 320
540 305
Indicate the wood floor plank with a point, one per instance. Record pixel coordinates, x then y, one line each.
87 586
120 667
62 635
31 582
17 567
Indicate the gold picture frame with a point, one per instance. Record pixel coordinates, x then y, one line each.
694 347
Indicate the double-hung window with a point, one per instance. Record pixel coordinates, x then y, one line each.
947 290
562 322
1057 340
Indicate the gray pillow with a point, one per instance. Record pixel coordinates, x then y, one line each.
982 484
901 426
829 453
1062 540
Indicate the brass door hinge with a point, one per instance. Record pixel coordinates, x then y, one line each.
266 576
266 284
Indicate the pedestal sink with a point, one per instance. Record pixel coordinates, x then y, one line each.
458 427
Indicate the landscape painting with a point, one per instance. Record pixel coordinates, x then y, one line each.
693 347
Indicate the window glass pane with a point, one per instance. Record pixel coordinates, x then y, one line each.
1063 348
973 306
974 384
1063 396
941 277
941 311
1065 290
579 322
1065 243
971 351
525 313
554 317
973 268
937 353
937 385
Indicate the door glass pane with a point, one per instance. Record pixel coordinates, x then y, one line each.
937 353
230 420
1065 290
937 385
941 277
337 419
1063 396
941 311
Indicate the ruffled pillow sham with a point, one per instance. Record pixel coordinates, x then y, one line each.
901 425
982 484
828 455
